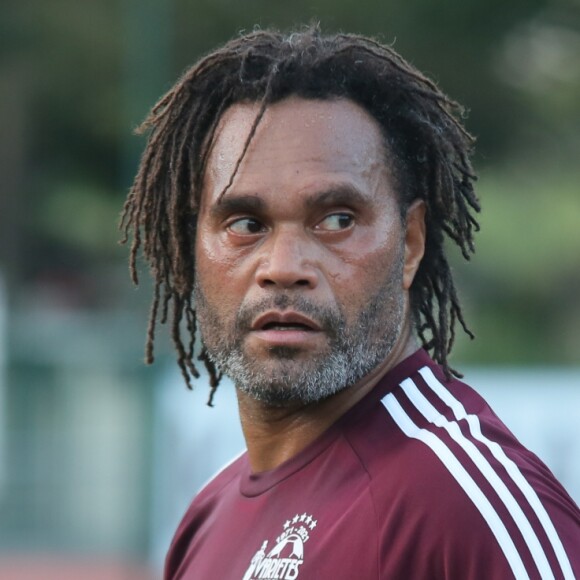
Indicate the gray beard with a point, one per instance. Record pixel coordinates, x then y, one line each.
354 350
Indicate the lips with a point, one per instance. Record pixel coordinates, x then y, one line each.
275 320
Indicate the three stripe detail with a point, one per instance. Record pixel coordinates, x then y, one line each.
466 481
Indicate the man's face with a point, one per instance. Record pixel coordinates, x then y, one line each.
301 273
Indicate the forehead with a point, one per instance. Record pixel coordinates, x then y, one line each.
298 144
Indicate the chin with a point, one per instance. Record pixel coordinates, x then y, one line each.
279 397
289 386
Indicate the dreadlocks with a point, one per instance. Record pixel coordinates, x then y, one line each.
420 127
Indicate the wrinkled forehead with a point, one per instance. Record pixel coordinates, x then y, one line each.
292 137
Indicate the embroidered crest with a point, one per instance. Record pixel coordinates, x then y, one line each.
283 561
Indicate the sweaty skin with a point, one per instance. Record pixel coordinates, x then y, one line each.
311 214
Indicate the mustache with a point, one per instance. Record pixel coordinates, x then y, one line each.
330 319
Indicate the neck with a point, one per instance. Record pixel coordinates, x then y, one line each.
275 434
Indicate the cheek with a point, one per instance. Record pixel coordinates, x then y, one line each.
372 255
218 275
363 274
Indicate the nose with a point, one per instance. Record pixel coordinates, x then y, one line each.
288 262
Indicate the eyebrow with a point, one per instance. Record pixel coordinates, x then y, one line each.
339 194
332 195
237 204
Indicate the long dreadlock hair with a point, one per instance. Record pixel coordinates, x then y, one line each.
421 128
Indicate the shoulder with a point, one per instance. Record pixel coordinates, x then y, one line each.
200 509
210 493
222 478
447 473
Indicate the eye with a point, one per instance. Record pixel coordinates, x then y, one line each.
336 222
246 226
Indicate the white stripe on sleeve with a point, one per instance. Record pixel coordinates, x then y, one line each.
433 416
514 472
463 478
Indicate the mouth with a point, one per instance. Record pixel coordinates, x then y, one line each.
285 321
287 326
285 329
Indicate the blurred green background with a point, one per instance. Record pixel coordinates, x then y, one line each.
77 434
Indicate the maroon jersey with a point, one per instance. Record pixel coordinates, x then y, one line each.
419 480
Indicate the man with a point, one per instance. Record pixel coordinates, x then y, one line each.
293 200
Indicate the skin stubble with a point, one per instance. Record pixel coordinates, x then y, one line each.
354 349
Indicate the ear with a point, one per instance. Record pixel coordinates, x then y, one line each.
414 241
